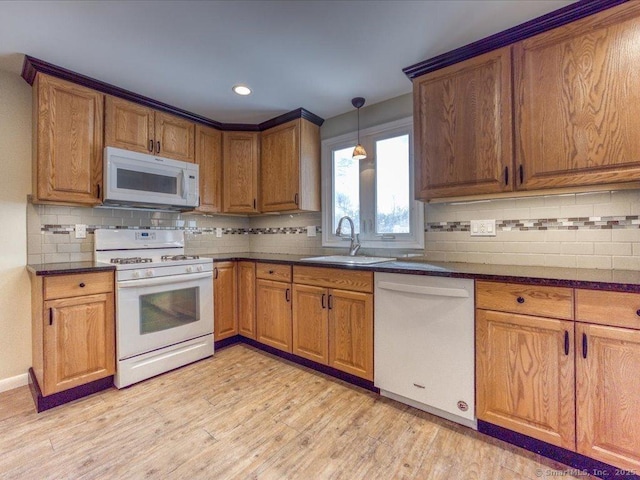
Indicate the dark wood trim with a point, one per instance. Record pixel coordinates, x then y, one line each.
33 65
573 459
557 18
347 377
45 403
225 342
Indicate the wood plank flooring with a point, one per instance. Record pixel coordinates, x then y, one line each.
244 414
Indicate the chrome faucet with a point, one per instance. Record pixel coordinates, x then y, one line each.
355 239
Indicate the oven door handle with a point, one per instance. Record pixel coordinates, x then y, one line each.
173 279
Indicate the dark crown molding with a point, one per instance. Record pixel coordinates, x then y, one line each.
551 20
32 66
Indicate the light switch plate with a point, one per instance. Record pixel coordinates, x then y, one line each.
311 231
218 232
483 228
81 230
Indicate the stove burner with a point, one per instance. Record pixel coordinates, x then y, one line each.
129 260
170 258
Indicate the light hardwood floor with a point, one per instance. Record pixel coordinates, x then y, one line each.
245 414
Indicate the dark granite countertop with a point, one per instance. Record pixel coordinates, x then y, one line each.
618 280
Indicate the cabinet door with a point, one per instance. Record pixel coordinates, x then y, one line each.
311 323
577 99
280 168
463 128
240 177
225 312
209 158
608 390
351 332
525 375
175 137
247 299
68 142
273 314
79 341
128 125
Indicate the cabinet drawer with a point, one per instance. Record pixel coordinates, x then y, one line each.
555 302
344 279
77 284
272 271
608 308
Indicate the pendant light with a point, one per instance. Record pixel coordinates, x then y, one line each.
359 152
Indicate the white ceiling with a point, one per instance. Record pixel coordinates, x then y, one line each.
311 54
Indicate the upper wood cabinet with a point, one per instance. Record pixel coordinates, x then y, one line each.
463 128
240 158
135 127
290 167
577 101
225 300
67 152
209 158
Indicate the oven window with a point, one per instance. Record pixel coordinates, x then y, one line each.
166 310
146 182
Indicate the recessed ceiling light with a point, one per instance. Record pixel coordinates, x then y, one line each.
241 90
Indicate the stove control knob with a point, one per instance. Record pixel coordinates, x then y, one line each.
200 269
189 269
149 273
136 274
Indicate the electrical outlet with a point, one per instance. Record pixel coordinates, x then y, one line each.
218 232
311 231
81 230
483 228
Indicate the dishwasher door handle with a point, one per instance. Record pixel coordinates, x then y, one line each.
420 290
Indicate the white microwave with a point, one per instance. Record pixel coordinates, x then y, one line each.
133 179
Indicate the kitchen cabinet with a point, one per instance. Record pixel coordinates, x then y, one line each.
225 300
273 305
209 159
135 127
240 153
607 381
67 142
247 299
525 363
577 98
290 167
333 318
73 330
463 128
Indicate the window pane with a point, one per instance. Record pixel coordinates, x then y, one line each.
392 185
346 187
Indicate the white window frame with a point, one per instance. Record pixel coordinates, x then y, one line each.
368 137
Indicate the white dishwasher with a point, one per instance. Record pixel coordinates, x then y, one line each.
424 343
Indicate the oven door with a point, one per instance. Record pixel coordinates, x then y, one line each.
153 313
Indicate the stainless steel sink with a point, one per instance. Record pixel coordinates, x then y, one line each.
348 260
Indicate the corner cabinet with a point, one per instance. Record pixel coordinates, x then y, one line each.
290 167
142 129
68 142
463 139
247 299
240 154
273 305
73 330
225 300
209 159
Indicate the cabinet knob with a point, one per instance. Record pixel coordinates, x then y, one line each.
520 300
271 272
81 285
638 312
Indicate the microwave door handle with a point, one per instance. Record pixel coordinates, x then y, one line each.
184 185
151 282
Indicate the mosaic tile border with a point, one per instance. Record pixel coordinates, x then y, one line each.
68 229
573 223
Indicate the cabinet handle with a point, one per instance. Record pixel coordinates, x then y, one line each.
254 203
324 298
81 285
584 345
520 300
51 316
506 175
215 273
158 146
521 171
295 199
98 189
287 295
330 302
566 342
151 146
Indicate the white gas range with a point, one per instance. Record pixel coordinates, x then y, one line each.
164 301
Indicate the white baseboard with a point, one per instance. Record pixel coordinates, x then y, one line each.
14 382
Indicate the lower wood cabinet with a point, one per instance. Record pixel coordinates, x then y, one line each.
247 299
273 314
73 330
225 300
311 323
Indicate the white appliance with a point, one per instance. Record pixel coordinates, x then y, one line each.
141 180
424 343
164 301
